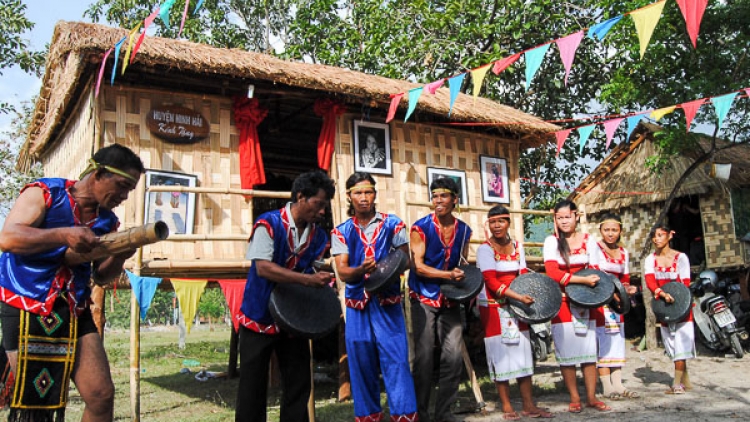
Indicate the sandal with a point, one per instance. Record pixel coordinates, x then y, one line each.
615 396
630 394
600 406
574 408
539 413
679 389
510 416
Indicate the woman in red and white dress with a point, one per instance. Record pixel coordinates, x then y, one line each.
573 330
506 339
664 266
609 256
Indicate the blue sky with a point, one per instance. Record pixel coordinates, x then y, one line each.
17 86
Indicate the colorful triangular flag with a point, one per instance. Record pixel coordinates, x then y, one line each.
454 84
533 61
131 38
164 11
189 294
692 11
477 77
432 87
146 23
395 100
645 20
117 55
414 95
610 126
690 109
233 291
722 104
632 122
583 136
568 46
198 6
561 136
658 114
143 289
503 63
101 72
600 30
184 16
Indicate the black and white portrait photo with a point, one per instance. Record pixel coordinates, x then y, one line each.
372 148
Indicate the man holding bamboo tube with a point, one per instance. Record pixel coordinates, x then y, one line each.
47 328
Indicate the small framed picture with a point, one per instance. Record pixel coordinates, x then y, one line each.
372 147
177 209
457 175
494 179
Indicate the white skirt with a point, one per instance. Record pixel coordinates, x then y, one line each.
611 347
573 348
680 343
508 361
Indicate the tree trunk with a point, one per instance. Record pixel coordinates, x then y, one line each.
651 327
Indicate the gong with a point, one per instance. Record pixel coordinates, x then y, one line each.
623 306
387 271
676 311
591 297
305 311
547 298
468 288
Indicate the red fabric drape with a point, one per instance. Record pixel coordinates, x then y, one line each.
233 290
329 109
247 116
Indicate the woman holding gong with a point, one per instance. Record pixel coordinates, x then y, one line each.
506 340
610 256
573 331
664 266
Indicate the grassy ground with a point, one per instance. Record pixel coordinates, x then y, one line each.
168 394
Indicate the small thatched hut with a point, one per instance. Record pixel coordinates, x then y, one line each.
623 184
200 82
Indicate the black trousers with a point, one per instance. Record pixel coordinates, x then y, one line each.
294 362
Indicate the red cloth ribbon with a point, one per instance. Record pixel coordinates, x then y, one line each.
247 116
329 109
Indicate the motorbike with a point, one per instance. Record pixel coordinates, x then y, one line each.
541 340
716 324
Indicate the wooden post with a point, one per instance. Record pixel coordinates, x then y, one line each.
234 341
345 387
473 378
651 327
135 316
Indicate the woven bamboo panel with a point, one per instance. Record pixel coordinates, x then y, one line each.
722 247
68 158
414 147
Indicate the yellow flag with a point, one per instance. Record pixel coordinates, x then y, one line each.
658 114
645 20
477 77
132 35
189 294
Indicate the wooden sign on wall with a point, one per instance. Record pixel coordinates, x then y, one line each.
178 125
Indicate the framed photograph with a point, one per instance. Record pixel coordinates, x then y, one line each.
494 179
372 147
457 175
177 209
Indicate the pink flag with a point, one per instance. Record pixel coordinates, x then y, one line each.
503 64
692 11
610 126
690 109
568 46
747 92
561 136
395 99
146 23
101 72
432 87
184 15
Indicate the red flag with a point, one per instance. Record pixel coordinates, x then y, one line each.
690 108
233 290
561 136
692 11
395 99
146 23
503 64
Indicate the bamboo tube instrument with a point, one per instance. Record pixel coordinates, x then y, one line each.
119 242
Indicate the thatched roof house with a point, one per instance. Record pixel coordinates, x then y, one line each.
70 122
623 184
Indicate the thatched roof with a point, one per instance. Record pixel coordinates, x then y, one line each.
622 179
77 49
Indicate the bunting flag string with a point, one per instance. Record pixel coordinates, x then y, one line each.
143 289
644 19
189 294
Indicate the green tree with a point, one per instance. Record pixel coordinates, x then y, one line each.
11 180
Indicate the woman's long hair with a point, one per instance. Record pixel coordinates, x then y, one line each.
355 178
562 242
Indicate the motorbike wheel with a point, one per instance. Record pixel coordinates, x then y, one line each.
540 350
734 339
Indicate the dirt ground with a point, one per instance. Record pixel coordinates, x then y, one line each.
721 391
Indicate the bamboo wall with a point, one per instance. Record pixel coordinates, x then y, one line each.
119 116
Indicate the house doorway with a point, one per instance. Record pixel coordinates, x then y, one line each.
685 219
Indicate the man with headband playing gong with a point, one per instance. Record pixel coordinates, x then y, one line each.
375 329
44 300
438 241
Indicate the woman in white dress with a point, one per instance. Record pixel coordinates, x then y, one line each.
610 256
573 329
506 339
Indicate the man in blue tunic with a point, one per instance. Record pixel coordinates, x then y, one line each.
284 245
438 241
375 330
44 293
